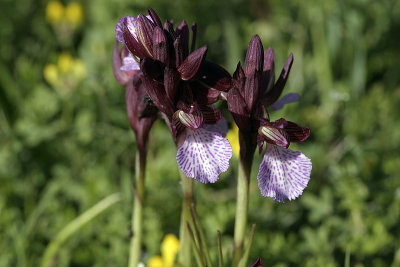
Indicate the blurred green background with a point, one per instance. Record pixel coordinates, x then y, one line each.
66 143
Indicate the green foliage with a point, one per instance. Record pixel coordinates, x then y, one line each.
65 146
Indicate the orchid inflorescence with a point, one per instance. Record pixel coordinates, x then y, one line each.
167 78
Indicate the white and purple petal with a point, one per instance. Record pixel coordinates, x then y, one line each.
204 155
129 63
283 173
130 22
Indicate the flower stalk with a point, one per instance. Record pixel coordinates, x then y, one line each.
138 203
185 253
242 203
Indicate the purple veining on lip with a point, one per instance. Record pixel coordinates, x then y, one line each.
283 173
204 155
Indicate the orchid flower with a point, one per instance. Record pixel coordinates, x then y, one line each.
283 173
182 86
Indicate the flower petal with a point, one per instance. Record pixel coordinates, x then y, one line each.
183 31
152 15
283 173
130 22
159 97
215 76
258 263
129 63
160 45
273 135
276 91
120 75
204 155
188 69
286 99
268 75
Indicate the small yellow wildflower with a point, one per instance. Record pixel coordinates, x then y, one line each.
169 249
155 261
233 138
50 73
74 13
54 12
65 62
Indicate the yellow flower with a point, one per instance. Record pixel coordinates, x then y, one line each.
74 13
65 62
169 249
50 73
233 138
54 12
155 261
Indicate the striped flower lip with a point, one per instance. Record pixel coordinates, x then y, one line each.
283 173
204 155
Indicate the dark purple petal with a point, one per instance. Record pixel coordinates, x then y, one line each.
237 106
160 46
253 69
178 52
154 17
203 94
286 99
251 86
132 43
171 82
188 69
283 173
158 96
268 75
254 57
169 27
183 31
144 33
258 263
239 79
152 68
204 155
131 96
211 115
276 91
296 132
215 77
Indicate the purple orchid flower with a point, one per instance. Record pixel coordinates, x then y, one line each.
141 113
258 263
283 174
183 86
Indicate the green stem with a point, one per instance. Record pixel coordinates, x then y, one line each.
184 235
242 203
137 213
74 226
